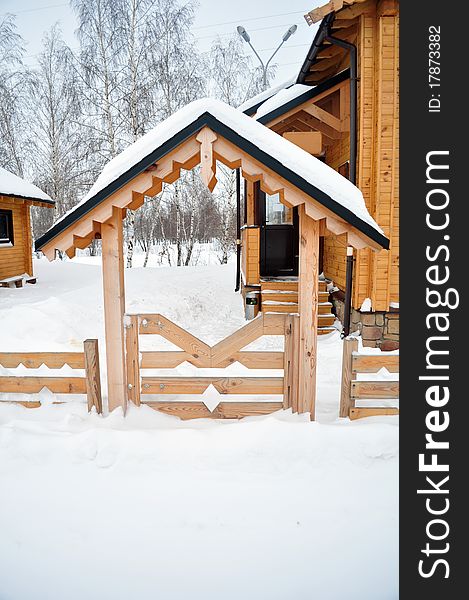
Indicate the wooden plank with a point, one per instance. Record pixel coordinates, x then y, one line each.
28 243
359 413
114 309
346 402
93 375
225 410
157 324
290 391
363 363
237 340
33 385
33 360
251 359
274 324
311 141
308 300
368 390
224 385
132 358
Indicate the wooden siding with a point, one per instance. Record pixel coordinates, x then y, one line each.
377 275
250 240
17 259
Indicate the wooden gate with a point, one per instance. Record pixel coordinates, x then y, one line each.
221 355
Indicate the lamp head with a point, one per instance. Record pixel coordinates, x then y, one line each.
290 31
243 33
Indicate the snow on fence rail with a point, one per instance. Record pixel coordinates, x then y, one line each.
353 389
223 354
87 360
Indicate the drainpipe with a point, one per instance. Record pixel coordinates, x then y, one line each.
353 160
348 292
238 230
353 100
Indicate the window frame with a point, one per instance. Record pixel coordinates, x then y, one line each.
10 241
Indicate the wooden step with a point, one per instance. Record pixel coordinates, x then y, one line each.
323 286
279 284
279 296
325 330
280 307
326 320
323 296
324 308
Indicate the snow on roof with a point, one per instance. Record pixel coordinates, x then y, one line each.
309 168
12 185
281 98
266 94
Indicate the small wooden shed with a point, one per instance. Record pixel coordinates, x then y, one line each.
16 198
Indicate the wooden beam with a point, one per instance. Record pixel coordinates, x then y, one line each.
346 403
33 385
93 377
323 116
114 308
33 360
308 291
359 413
372 363
374 390
132 359
225 410
224 385
316 15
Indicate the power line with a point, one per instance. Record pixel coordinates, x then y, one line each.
26 10
296 12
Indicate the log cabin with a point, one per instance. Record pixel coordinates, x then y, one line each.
343 108
16 198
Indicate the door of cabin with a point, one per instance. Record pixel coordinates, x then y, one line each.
279 238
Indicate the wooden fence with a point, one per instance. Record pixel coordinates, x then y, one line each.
353 389
223 354
87 360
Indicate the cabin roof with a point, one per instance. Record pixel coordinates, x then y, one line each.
281 103
302 170
13 186
250 106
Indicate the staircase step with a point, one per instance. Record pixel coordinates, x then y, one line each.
323 296
326 320
279 284
279 296
279 307
324 308
325 330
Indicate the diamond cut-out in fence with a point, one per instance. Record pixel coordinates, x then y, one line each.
211 397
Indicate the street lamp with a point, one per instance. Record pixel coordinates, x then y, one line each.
245 35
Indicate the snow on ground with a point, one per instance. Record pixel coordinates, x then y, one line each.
273 507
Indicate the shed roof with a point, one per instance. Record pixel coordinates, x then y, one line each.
305 172
16 187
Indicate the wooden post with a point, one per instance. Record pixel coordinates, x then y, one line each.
132 359
290 394
93 376
114 308
308 291
350 346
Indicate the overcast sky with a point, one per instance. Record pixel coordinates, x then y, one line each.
265 20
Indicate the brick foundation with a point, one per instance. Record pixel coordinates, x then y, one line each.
378 329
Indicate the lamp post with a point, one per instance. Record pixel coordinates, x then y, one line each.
246 37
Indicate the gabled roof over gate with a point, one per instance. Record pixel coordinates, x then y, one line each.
239 141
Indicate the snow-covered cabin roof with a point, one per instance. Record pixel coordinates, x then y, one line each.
288 99
12 185
302 170
250 106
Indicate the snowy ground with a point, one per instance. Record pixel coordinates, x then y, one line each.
148 506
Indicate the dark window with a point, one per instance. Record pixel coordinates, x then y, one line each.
6 227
